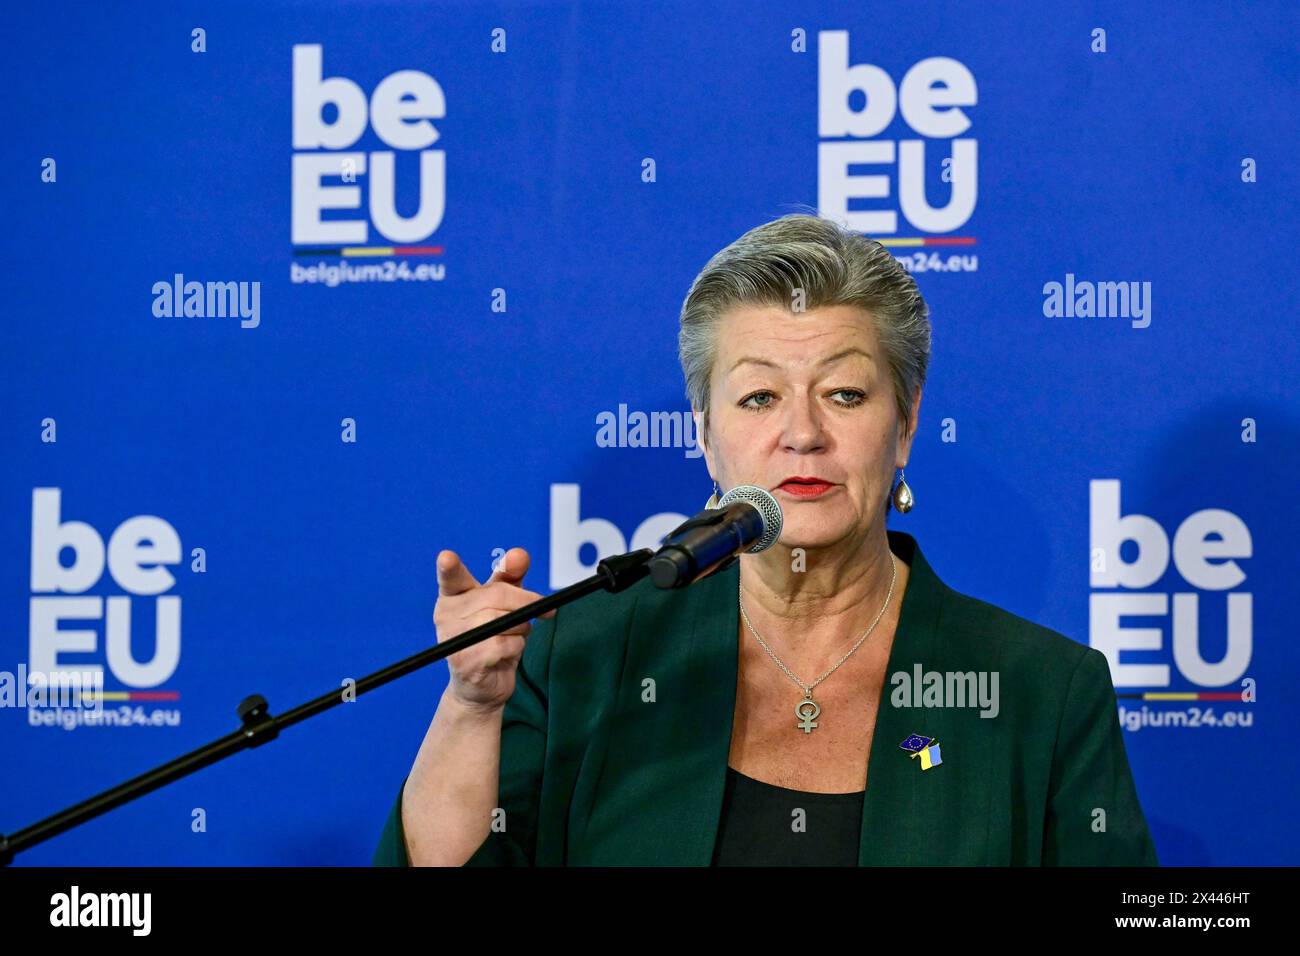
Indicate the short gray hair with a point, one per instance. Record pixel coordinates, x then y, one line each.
833 266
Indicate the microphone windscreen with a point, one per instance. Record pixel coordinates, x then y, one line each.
768 507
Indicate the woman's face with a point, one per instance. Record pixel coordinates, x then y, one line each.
807 395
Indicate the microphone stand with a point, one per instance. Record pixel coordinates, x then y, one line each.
259 726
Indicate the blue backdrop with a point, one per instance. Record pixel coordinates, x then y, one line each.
435 244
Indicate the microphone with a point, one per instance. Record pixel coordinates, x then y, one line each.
747 519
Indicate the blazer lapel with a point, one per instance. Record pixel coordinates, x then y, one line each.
650 792
911 816
902 801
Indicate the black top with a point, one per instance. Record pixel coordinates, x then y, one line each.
758 826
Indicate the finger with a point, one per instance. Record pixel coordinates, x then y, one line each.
510 597
511 568
453 576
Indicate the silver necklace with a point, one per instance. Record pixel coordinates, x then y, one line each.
807 710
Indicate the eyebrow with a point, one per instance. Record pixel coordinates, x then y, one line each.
830 359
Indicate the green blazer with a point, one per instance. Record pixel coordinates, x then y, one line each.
593 774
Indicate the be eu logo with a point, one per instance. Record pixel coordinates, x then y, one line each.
69 560
1204 550
884 176
330 116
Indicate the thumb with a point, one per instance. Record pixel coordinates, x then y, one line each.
453 576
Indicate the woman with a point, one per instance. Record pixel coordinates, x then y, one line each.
827 701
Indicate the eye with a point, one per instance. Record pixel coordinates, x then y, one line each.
858 397
744 403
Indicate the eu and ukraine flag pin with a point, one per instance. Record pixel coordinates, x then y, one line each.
927 748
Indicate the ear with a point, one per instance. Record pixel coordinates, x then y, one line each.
699 437
909 427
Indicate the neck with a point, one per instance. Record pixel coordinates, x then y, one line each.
837 589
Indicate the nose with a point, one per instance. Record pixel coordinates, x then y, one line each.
802 430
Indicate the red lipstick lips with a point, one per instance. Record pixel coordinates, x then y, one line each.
801 486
